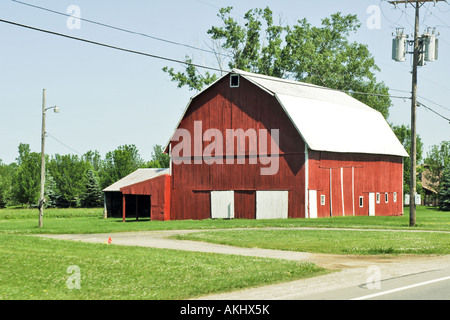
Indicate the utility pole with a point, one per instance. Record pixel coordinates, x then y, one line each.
413 155
41 196
418 51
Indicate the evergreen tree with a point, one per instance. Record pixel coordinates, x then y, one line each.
92 196
52 198
444 193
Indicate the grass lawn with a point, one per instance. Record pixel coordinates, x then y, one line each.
395 241
57 221
36 268
331 241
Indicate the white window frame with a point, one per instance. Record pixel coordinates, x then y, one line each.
378 197
322 199
386 197
238 80
361 202
395 196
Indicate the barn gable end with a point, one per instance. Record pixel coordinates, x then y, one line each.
250 109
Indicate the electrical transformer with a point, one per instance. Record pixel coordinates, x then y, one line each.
430 46
399 47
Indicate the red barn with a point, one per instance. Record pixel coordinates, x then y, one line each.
253 146
258 147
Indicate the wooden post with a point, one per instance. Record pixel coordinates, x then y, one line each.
123 208
137 208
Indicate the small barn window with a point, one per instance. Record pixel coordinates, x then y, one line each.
378 197
322 200
361 202
395 196
386 197
234 81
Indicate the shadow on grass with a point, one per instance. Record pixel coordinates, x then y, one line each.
132 220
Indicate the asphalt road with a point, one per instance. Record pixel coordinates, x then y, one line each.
354 277
426 285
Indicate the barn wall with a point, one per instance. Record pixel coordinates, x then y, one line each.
354 176
246 107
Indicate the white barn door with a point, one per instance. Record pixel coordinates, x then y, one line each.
371 204
222 204
272 204
312 203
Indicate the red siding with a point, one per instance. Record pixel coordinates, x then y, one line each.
245 207
354 176
245 107
159 190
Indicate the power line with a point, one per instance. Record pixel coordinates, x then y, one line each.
170 59
428 108
117 28
108 46
448 109
205 67
65 145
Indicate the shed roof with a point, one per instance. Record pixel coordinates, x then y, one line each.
328 119
137 176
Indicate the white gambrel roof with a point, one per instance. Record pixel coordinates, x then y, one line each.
135 177
330 120
327 119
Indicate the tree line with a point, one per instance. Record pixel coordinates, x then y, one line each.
71 180
434 167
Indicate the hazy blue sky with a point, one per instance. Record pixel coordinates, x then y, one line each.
110 98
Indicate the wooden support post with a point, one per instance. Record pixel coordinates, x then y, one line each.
137 208
123 208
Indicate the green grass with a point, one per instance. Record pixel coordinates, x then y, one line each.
331 241
57 221
36 268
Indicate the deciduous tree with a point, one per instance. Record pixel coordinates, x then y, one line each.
321 55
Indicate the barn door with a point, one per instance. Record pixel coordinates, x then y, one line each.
272 204
222 204
371 204
312 203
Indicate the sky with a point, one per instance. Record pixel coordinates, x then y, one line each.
108 98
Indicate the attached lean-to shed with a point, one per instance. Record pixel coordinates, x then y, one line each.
138 195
